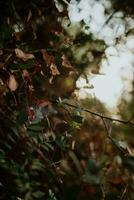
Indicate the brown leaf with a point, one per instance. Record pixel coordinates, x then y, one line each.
51 80
31 113
117 181
2 65
65 62
17 35
29 15
1 52
12 84
22 55
8 20
54 69
26 75
48 58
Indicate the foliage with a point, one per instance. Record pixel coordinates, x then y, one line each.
48 148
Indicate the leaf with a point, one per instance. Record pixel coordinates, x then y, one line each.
38 194
93 167
2 65
17 35
31 113
54 72
22 55
1 52
26 75
29 15
65 62
48 58
27 65
91 179
76 162
35 128
12 84
128 162
54 69
77 118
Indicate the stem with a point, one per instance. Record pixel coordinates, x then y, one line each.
101 115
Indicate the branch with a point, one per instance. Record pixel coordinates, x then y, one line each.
128 122
109 131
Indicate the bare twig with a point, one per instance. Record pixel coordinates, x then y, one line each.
103 192
109 18
128 122
109 131
125 191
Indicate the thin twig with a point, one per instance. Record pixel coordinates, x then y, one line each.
103 192
124 193
109 18
109 131
106 127
128 122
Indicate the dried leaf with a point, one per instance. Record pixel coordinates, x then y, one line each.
43 103
26 75
65 62
22 55
29 15
31 113
12 84
8 20
2 65
17 35
51 80
54 69
1 52
48 58
117 181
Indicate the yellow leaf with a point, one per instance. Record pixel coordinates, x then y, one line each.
12 84
22 55
54 69
65 62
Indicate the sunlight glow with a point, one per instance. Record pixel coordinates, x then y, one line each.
118 63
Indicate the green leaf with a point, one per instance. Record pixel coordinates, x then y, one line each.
92 166
38 194
128 162
27 65
49 145
22 117
35 128
37 165
77 118
91 179
76 162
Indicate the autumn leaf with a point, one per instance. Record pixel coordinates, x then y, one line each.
65 62
31 113
2 65
51 80
49 59
1 52
12 84
29 15
17 35
22 55
54 72
54 69
26 75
